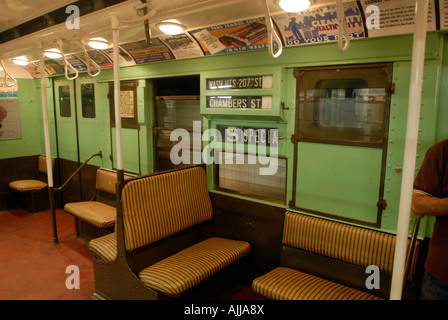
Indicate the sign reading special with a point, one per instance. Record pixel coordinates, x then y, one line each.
249 135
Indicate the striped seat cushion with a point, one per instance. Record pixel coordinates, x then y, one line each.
158 206
284 283
96 213
180 272
358 246
104 248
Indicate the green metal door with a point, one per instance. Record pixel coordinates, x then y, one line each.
67 140
340 141
92 113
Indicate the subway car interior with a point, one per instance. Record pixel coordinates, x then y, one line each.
217 150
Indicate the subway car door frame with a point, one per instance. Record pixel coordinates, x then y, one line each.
130 126
339 154
67 137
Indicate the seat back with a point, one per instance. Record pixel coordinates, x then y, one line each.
42 167
351 244
157 206
106 181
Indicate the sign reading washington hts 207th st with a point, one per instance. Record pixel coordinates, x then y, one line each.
247 82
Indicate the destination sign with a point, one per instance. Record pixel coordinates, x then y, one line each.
247 135
252 82
240 102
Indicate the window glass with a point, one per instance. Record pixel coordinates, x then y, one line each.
64 101
175 112
343 105
88 100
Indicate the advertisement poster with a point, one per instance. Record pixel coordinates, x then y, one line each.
143 52
319 24
397 16
100 58
125 59
233 37
182 46
76 62
9 119
53 67
8 92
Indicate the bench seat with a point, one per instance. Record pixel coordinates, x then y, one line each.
285 283
185 269
104 248
326 260
96 213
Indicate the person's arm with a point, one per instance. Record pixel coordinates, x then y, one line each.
429 205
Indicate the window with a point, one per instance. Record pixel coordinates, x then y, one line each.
64 102
343 105
177 106
244 177
88 100
174 112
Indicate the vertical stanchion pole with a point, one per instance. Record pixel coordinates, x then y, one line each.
410 151
48 147
115 33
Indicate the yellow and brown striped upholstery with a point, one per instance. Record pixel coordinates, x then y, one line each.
284 283
97 213
178 273
358 246
104 248
158 206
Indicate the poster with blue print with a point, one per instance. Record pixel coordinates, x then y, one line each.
319 24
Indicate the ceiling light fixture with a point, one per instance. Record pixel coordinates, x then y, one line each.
98 43
53 53
21 61
294 5
171 27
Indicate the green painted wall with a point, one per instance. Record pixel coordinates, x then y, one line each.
395 49
32 140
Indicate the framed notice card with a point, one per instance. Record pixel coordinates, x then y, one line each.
9 119
128 103
127 106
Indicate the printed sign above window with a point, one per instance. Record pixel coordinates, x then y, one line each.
240 102
250 82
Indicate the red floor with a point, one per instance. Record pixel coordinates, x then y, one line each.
32 267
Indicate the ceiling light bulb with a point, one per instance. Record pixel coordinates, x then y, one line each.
171 27
294 5
53 53
98 43
21 61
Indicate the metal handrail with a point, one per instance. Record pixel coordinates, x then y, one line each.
100 154
411 248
